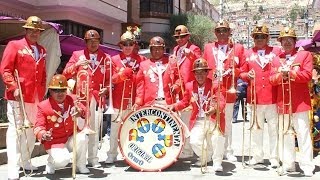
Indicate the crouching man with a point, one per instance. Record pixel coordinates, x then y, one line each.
54 127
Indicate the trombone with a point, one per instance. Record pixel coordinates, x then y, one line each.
83 94
289 130
232 89
123 98
254 125
110 109
22 126
74 144
217 127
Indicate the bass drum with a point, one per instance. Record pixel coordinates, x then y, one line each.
151 138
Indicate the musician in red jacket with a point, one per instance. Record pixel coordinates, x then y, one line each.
294 69
156 77
226 56
95 64
256 70
204 97
125 67
186 53
54 127
27 58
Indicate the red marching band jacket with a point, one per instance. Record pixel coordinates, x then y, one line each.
32 73
51 116
147 82
191 97
234 51
266 93
186 62
98 75
301 75
119 79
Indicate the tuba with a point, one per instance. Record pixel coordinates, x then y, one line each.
22 124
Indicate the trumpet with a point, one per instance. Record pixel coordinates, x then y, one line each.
232 88
22 124
289 130
83 94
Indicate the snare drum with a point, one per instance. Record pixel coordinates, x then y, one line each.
151 138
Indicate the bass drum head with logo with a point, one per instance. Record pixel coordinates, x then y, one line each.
150 139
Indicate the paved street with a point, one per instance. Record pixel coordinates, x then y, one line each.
180 170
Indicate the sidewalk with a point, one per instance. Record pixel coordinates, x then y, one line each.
182 169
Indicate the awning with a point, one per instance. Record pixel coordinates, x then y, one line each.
70 43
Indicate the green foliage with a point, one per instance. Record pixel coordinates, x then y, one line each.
200 27
296 11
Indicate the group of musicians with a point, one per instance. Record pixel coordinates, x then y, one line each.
198 87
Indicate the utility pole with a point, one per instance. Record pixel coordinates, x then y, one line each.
306 20
221 9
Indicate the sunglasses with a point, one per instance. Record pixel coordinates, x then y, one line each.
181 36
93 41
59 90
260 36
222 30
34 31
127 43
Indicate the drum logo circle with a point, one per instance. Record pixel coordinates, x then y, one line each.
150 139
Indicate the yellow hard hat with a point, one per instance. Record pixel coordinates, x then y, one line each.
58 81
181 30
260 29
222 24
34 22
287 32
200 64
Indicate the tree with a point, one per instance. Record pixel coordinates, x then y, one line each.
261 9
200 27
293 15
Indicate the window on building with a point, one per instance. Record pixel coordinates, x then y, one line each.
159 6
77 29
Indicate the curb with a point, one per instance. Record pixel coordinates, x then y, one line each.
37 151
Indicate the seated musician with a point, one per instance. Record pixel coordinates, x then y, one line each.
204 96
54 127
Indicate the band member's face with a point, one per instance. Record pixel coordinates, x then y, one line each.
201 76
33 35
182 40
288 44
127 47
92 45
222 34
157 52
59 95
261 41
